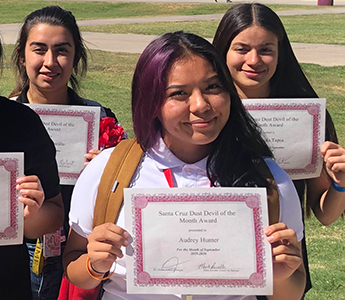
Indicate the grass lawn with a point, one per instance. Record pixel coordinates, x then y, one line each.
329 83
109 82
326 249
14 11
322 29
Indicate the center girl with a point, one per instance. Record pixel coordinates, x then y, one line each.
188 118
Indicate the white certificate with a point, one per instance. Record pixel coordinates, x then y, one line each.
11 212
206 241
295 131
75 131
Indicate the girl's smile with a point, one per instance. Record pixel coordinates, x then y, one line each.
49 58
252 60
196 108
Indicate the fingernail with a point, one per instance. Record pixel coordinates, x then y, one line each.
267 231
270 238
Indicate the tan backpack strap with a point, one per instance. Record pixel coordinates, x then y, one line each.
272 192
116 176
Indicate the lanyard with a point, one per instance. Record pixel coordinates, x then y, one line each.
169 177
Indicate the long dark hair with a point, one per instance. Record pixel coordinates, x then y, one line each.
54 16
288 81
239 145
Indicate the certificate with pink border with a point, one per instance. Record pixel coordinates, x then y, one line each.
205 241
11 213
295 131
75 131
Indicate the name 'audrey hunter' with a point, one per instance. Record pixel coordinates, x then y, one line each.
196 241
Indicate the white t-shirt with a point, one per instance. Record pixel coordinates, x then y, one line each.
150 174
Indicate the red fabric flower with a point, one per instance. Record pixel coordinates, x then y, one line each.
110 133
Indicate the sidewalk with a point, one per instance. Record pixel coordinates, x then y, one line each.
325 55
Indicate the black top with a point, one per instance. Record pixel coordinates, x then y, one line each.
21 130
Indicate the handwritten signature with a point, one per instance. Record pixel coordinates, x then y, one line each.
283 160
172 263
212 267
66 163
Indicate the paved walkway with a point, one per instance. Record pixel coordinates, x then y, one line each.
326 55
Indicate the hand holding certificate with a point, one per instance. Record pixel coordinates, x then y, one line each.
11 213
190 241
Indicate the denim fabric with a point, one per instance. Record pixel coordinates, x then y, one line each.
46 285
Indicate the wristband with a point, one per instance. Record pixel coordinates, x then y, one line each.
88 265
337 187
93 269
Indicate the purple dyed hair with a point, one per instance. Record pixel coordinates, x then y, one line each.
150 78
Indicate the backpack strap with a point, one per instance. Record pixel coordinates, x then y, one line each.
272 192
116 176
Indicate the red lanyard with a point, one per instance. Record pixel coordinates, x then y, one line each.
169 177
